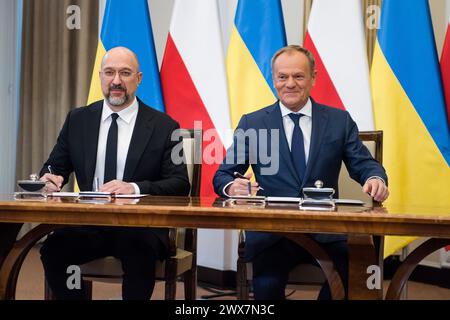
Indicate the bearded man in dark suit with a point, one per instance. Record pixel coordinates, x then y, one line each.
126 147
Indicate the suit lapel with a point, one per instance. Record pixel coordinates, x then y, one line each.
90 133
142 133
273 120
319 125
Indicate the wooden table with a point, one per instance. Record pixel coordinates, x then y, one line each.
360 223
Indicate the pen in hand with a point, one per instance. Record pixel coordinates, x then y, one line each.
49 167
241 176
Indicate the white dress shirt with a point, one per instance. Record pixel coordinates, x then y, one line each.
305 125
125 125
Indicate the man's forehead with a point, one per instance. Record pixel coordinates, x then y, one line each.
119 59
291 68
117 66
291 71
291 61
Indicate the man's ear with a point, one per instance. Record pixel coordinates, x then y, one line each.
314 76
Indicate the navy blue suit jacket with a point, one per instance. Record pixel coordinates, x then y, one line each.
334 139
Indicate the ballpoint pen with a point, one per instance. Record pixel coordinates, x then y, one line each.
96 184
239 175
49 167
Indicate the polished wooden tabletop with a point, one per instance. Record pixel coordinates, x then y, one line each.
221 214
359 222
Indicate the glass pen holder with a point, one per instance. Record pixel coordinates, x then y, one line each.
317 198
33 189
246 201
317 205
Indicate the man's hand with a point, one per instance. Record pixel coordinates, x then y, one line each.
53 183
377 189
239 187
118 187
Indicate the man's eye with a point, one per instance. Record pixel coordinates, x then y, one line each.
125 73
109 73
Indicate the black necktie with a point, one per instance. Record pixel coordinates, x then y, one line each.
111 151
297 146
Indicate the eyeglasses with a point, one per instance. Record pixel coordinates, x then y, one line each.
123 74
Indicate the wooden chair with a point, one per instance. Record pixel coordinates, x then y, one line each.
309 276
182 261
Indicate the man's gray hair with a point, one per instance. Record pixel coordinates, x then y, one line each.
296 48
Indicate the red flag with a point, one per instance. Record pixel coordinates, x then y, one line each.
445 70
336 38
194 81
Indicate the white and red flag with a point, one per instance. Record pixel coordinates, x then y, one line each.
193 79
336 38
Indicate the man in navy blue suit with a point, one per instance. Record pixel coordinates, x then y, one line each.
290 145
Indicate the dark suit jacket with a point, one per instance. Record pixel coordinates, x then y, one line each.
148 161
334 138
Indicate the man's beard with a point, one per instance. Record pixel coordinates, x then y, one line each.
117 101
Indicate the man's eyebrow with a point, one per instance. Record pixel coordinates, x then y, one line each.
121 69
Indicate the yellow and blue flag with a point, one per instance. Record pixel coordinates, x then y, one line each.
128 24
258 32
409 107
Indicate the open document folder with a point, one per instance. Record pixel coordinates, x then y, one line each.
294 200
92 194
297 200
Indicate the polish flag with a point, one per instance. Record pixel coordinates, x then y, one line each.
193 80
445 71
335 36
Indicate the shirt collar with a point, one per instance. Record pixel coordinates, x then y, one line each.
306 110
125 114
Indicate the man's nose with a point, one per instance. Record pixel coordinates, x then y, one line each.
116 79
290 82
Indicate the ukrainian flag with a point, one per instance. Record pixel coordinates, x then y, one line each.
127 23
409 107
258 32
